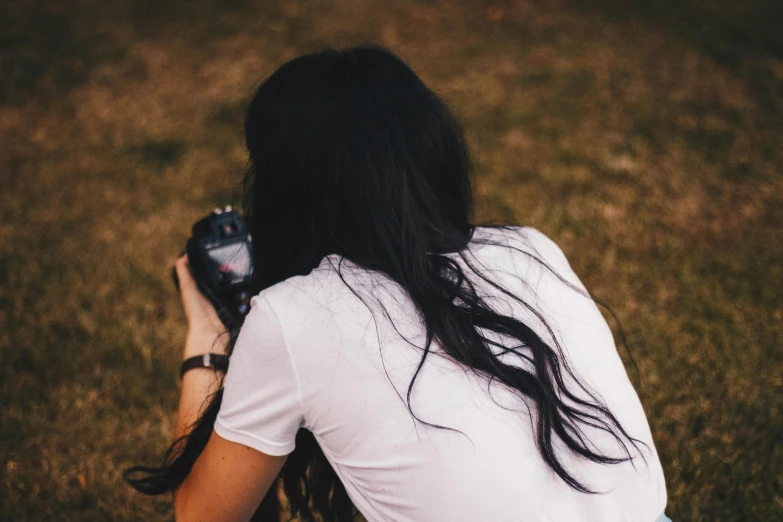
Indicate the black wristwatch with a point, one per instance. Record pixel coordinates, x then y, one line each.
208 360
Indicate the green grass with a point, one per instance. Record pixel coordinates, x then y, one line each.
644 137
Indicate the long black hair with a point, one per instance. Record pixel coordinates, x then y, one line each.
351 154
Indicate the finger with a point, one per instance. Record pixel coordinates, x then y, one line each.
186 281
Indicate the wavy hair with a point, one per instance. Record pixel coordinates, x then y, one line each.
351 154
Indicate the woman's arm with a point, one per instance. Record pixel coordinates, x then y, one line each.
227 483
229 480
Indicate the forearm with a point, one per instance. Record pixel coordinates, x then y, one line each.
198 384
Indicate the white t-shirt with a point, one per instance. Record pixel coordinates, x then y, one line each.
316 354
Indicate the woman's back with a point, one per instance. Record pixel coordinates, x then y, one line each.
335 351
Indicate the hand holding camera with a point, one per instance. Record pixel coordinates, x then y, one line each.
204 325
214 279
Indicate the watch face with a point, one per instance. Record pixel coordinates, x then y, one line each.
232 262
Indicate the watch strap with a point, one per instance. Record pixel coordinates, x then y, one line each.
208 360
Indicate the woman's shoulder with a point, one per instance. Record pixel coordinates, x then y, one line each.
525 239
336 283
324 287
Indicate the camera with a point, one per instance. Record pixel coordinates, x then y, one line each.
219 253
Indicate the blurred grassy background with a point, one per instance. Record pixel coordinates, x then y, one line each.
643 136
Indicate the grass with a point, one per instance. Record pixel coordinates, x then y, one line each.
644 137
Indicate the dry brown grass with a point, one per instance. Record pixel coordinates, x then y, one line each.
654 164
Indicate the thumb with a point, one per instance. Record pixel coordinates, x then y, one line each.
186 281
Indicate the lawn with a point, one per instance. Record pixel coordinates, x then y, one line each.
644 137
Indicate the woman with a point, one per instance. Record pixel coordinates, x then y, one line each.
398 360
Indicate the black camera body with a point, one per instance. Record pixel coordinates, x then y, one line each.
219 253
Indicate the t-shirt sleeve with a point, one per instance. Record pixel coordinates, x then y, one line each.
261 405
